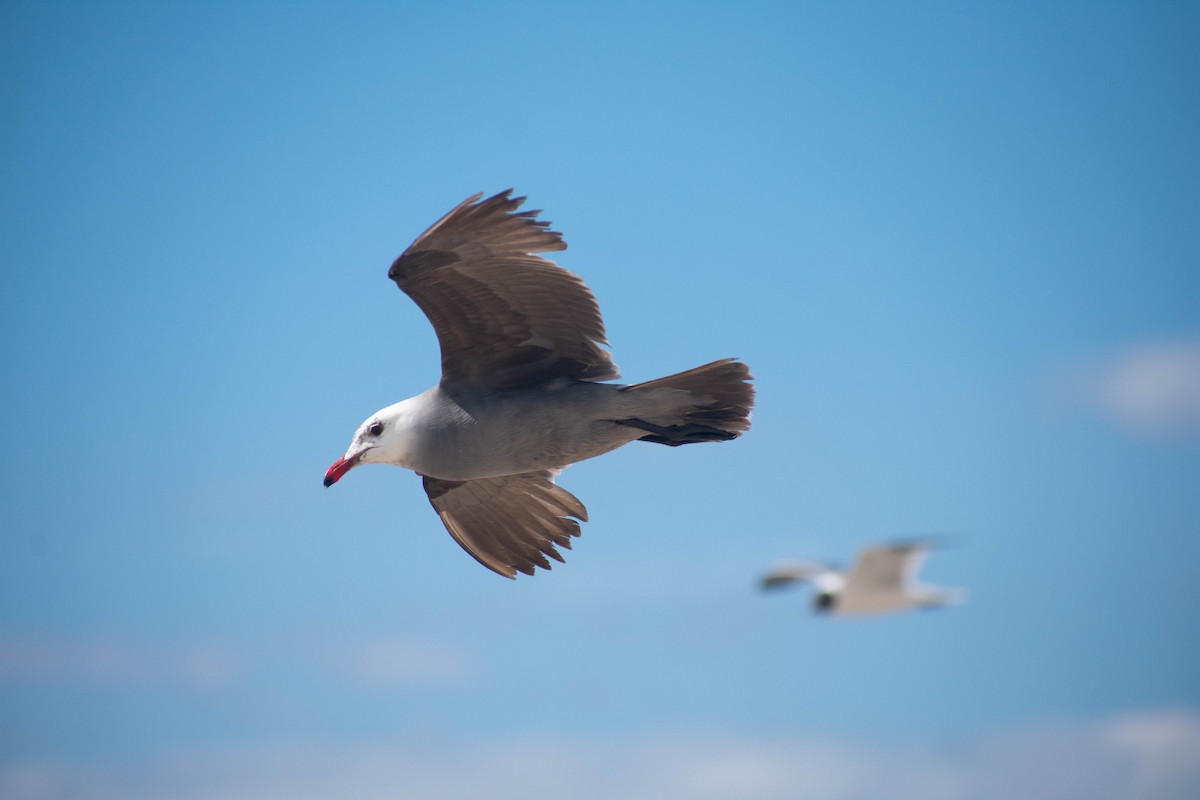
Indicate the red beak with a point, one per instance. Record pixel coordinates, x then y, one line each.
339 468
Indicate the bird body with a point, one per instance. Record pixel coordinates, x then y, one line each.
520 395
462 436
881 581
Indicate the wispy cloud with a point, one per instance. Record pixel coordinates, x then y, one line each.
367 663
384 663
114 661
1153 388
1152 755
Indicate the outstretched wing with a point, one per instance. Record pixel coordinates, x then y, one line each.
511 523
505 318
789 572
888 568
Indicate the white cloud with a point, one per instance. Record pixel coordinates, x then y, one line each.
1153 756
113 661
369 663
1164 751
396 663
1153 388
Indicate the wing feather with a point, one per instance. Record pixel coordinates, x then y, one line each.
511 523
887 568
788 573
505 317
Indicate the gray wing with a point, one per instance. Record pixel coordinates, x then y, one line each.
787 573
511 523
505 318
887 568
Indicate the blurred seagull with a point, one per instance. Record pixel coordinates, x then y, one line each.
519 397
882 580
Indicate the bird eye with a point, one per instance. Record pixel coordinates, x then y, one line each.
375 429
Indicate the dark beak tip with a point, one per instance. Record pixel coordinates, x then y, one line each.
339 468
335 473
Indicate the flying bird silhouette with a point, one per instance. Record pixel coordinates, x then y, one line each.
520 395
882 580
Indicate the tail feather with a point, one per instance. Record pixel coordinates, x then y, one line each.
718 408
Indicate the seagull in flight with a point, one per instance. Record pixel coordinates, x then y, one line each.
522 394
882 581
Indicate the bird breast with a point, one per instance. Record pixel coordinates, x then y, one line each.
464 436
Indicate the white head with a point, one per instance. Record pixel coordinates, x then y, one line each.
829 586
384 438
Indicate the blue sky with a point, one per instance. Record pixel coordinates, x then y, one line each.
956 243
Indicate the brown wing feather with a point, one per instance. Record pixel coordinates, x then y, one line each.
511 523
505 318
886 567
